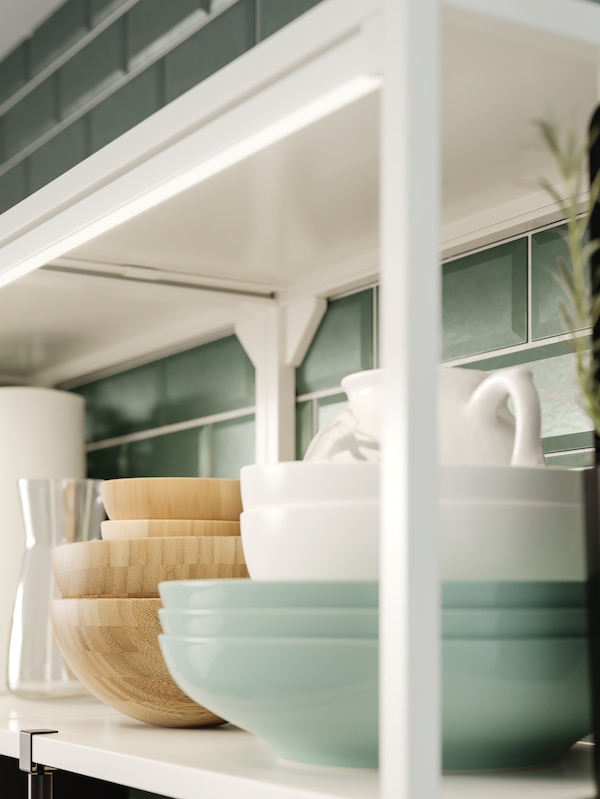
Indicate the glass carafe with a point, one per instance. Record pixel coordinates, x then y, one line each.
55 512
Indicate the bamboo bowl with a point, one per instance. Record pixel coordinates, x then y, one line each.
172 498
133 568
155 528
111 645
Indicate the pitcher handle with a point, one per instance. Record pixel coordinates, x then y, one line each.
516 383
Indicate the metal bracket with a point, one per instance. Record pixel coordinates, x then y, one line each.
40 776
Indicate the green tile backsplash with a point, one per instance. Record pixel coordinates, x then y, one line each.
274 14
36 114
14 71
93 68
546 246
484 300
129 105
211 379
124 403
59 154
199 382
228 36
100 9
152 24
14 186
343 344
60 31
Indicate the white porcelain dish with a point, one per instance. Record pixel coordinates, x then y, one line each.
511 484
512 541
338 541
296 482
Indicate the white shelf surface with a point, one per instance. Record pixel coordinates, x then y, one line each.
226 762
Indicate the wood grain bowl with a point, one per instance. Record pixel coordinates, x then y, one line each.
172 498
162 528
133 568
111 645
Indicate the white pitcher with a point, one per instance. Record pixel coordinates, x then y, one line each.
475 425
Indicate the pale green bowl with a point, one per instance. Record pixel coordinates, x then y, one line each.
506 594
363 622
313 700
272 622
246 593
506 703
512 703
514 622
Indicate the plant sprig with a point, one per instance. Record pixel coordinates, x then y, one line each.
571 158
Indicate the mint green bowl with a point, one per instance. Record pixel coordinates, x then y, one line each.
512 703
272 622
506 594
246 593
313 700
506 703
514 622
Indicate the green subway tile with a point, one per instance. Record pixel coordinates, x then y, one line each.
172 455
572 460
108 464
213 378
274 14
131 104
342 345
304 427
68 24
328 408
546 246
223 39
92 69
32 116
484 300
218 450
13 71
232 446
58 155
553 368
13 186
124 403
554 444
100 9
154 24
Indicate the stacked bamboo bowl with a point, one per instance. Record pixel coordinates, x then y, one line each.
106 622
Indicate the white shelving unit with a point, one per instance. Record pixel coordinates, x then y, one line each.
329 156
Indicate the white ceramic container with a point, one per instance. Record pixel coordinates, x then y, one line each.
512 541
337 541
296 482
511 483
474 422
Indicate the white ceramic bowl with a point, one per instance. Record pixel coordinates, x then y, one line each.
312 542
297 482
511 541
511 484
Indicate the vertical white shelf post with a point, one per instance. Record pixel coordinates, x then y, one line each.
410 311
276 341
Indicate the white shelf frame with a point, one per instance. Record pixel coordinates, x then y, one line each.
398 41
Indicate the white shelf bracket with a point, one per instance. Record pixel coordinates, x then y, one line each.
302 322
276 341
